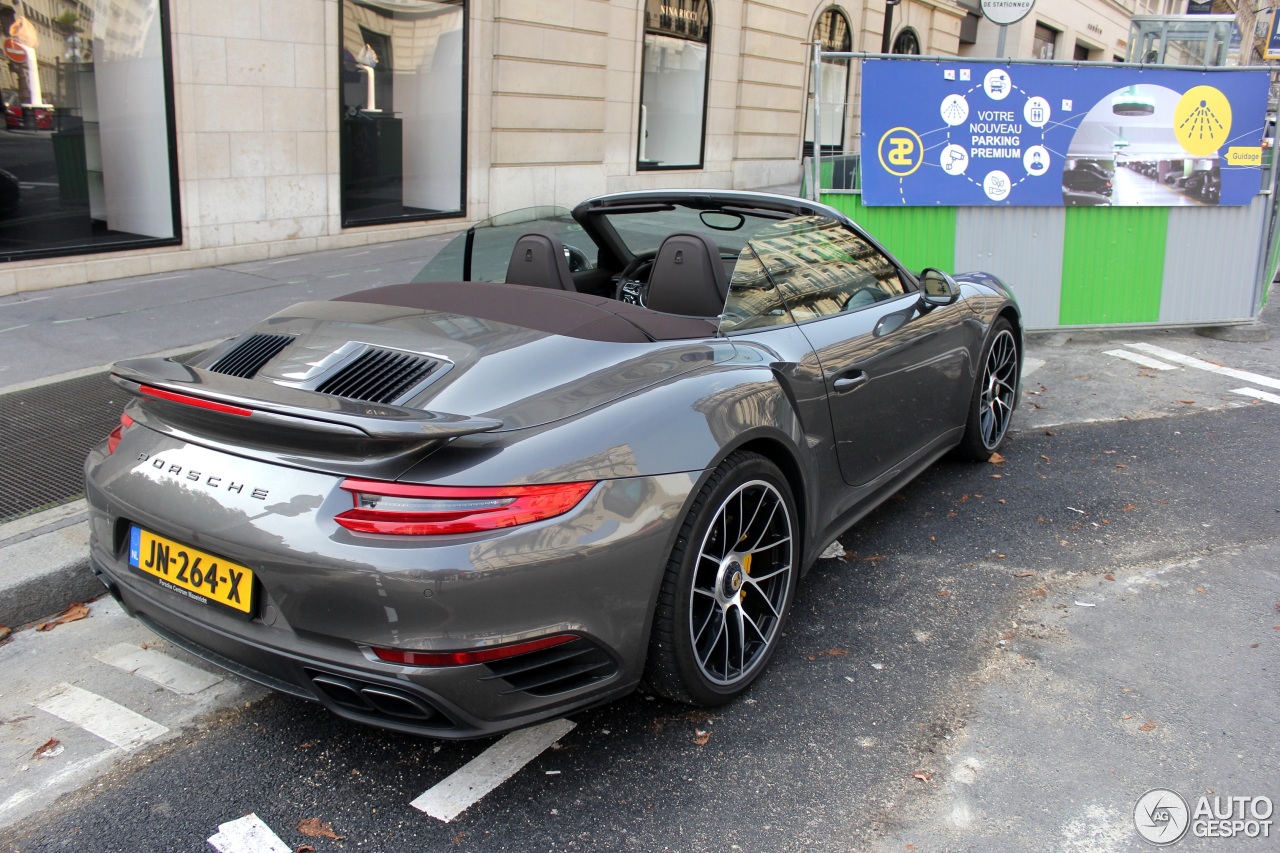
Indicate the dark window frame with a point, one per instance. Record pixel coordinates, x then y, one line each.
906 37
348 222
175 195
706 97
806 144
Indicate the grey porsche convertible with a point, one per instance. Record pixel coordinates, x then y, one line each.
581 451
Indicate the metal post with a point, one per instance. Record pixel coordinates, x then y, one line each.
1000 42
888 26
814 185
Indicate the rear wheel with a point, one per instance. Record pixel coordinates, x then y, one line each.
727 586
991 407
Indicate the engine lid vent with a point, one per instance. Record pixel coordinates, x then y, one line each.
379 376
251 354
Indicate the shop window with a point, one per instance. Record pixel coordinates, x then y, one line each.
1045 42
87 162
907 42
673 86
835 36
403 70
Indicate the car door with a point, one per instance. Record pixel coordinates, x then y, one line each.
897 374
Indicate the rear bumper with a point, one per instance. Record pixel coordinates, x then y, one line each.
327 595
384 699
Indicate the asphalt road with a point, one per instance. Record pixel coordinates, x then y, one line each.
948 633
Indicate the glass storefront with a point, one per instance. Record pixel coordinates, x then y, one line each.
835 37
403 69
673 88
87 159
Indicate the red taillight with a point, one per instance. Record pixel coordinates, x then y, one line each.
113 437
198 402
469 657
409 510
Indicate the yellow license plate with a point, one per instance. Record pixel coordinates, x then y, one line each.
191 572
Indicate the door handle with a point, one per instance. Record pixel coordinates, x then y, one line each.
850 381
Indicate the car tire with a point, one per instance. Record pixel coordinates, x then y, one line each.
722 607
994 395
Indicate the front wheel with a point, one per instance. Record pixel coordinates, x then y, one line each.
991 407
727 586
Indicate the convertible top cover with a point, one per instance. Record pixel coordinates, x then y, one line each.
557 312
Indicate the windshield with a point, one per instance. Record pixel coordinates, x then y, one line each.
492 241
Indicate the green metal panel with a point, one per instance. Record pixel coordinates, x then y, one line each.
919 236
1112 265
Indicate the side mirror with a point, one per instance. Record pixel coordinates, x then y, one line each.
937 289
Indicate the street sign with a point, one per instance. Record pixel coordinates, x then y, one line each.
1005 12
1273 39
15 51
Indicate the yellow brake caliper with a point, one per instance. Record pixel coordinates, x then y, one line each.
746 567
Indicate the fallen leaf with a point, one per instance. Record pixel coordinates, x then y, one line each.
1062 542
875 558
996 459
962 499
1040 592
933 538
943 593
1048 432
48 749
1001 500
700 737
999 556
1127 717
73 613
5 631
1045 458
952 514
1188 402
1201 590
922 776
1122 466
997 476
1024 574
1129 508
1148 726
835 652
457 838
1109 576
314 827
1254 646
304 848
307 745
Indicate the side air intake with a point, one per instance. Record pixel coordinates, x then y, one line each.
250 354
379 376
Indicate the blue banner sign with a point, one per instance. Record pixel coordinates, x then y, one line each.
971 133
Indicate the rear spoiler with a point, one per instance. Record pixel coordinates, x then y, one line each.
266 404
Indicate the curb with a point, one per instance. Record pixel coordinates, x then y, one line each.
46 564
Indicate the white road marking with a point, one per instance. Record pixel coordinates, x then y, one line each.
1188 361
1030 365
1259 395
100 716
74 770
247 834
465 786
158 667
1140 359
